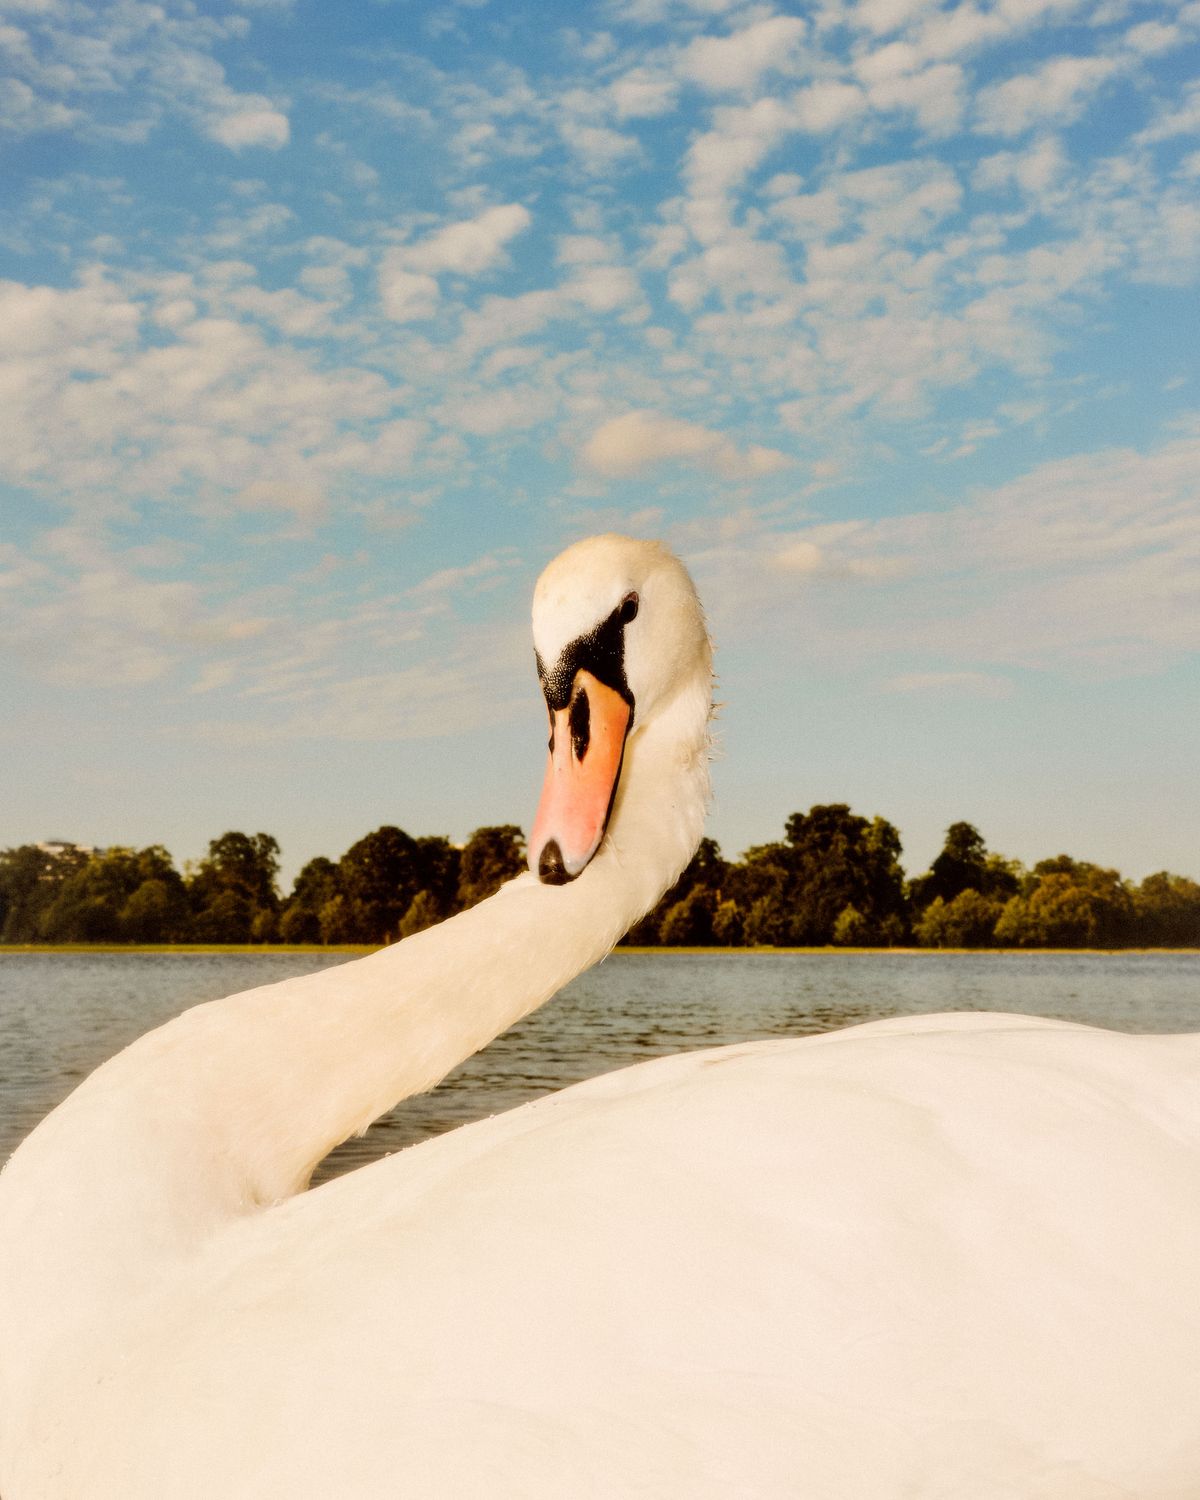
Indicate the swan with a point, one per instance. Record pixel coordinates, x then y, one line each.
952 1256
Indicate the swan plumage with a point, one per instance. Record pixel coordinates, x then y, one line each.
940 1256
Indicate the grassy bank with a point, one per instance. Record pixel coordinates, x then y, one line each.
186 948
361 948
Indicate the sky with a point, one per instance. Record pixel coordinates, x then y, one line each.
323 327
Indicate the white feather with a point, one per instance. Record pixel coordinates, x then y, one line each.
954 1256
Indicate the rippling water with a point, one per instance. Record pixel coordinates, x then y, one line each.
62 1013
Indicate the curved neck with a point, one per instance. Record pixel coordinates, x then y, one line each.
228 1108
333 1052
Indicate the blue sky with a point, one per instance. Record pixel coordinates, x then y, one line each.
323 327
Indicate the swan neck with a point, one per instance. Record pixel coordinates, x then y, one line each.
240 1098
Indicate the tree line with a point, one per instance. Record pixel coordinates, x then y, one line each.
834 878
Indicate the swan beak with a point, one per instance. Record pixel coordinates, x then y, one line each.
587 743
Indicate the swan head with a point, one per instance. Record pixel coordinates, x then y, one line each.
618 630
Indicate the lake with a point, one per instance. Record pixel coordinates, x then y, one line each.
63 1013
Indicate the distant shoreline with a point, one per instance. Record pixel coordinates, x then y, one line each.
189 948
658 950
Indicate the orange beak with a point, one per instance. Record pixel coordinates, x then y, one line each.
587 742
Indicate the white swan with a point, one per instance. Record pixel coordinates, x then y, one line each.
950 1257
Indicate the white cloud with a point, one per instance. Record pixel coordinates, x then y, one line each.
835 551
1057 93
406 296
741 136
603 288
319 689
598 147
1183 119
971 684
824 106
408 285
24 112
203 406
883 16
213 675
831 296
84 614
642 94
88 323
582 249
1152 37
640 440
289 311
115 72
738 61
936 96
1035 171
484 413
256 125
236 230
893 60
471 245
500 319
591 286
952 33
1167 243
379 100
800 557
484 571
1090 563
880 318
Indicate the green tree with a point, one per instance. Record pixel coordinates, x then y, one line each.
1167 911
838 859
30 880
764 925
225 916
244 862
424 912
317 883
851 930
689 922
264 926
299 924
793 893
232 886
156 908
377 877
964 865
707 870
156 912
489 858
337 921
1068 903
440 865
118 895
758 886
728 925
968 921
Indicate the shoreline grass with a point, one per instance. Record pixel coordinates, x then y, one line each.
233 949
188 948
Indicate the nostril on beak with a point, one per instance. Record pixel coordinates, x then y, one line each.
551 870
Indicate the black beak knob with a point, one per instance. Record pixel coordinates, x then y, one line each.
551 870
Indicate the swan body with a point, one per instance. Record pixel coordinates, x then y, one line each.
950 1256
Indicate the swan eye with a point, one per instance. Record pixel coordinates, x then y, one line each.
629 608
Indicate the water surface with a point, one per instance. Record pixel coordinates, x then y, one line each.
63 1013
